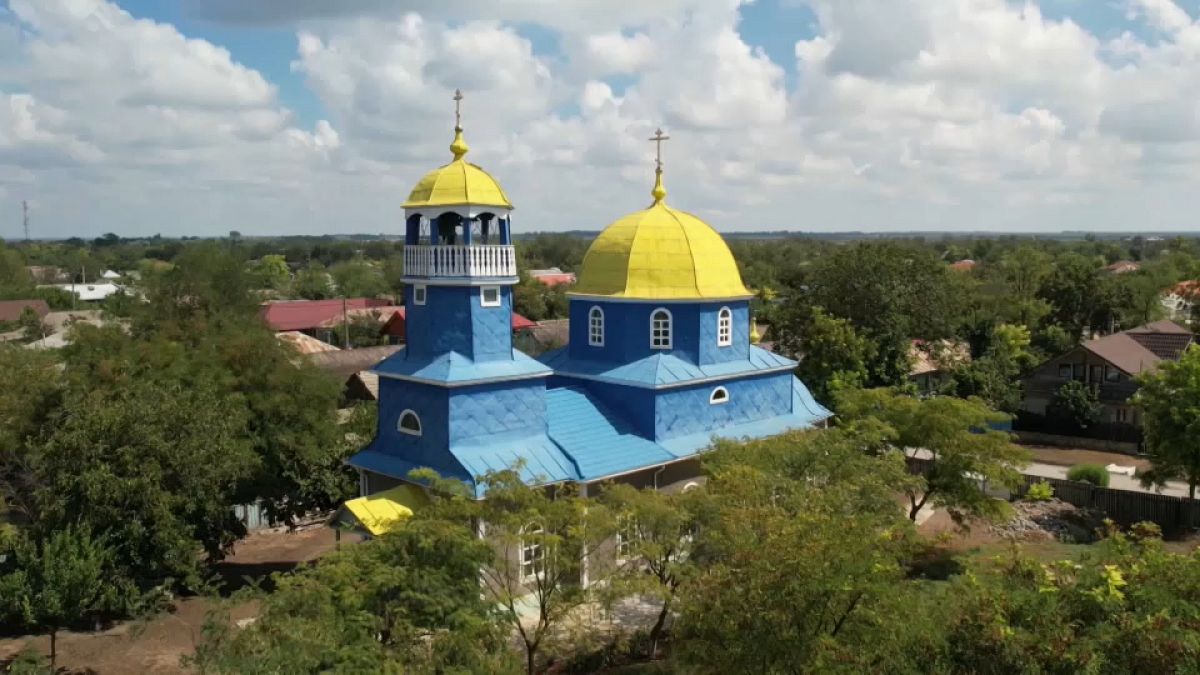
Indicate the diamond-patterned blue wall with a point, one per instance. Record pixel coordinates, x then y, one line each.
430 404
453 319
497 408
679 412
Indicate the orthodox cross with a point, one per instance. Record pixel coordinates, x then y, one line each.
658 138
458 97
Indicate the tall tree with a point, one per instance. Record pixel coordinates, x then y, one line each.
358 279
830 352
955 439
1170 401
907 294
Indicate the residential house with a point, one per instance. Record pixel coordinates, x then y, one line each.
11 310
317 318
1109 365
964 265
1123 267
553 276
933 363
1180 300
354 367
94 292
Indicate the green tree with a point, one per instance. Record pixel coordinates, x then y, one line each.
542 538
799 540
1170 401
358 279
1074 403
272 272
830 352
32 325
59 581
313 283
995 376
654 534
955 439
1073 290
909 294
406 602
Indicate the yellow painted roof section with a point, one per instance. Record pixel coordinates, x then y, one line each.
382 511
660 254
457 183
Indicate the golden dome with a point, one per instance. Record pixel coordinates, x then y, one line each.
660 254
458 183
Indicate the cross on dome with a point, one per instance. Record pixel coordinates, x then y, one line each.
459 147
659 192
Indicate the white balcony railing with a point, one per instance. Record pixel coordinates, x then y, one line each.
460 261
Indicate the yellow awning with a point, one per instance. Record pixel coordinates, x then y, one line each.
377 513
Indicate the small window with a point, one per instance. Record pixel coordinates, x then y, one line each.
1111 374
533 553
1122 415
1064 371
627 536
718 395
409 423
596 327
419 294
489 296
724 327
660 329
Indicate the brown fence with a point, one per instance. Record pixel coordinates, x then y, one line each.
1125 507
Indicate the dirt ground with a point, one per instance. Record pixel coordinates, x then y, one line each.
1073 456
157 645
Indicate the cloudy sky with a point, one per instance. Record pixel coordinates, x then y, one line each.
308 116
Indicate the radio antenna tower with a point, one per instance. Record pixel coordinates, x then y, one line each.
25 217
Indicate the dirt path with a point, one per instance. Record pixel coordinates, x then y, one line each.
1073 456
157 645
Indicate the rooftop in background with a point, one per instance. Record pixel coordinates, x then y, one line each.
936 356
553 276
965 265
311 314
10 310
1123 267
90 292
305 344
1140 349
346 362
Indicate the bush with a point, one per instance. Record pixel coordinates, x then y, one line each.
1040 492
1089 473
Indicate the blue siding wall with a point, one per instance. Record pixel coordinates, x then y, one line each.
684 411
453 319
627 331
431 405
490 409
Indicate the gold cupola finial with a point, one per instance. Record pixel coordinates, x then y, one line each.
659 192
459 147
755 337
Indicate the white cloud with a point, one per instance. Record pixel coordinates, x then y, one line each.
896 114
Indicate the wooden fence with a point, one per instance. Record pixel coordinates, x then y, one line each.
1124 507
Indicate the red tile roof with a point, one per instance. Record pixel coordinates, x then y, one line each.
309 314
10 310
963 265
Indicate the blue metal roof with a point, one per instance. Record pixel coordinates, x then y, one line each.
541 461
379 461
663 370
454 368
600 442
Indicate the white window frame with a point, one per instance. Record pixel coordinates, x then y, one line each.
531 554
724 327
713 398
483 293
420 292
655 342
405 430
596 327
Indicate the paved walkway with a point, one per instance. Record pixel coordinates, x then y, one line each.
1116 481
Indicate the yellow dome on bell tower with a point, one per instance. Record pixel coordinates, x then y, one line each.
459 183
660 254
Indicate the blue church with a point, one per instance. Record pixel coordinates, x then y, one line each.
661 359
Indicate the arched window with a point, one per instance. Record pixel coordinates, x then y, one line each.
660 329
532 551
409 423
718 395
596 327
724 327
